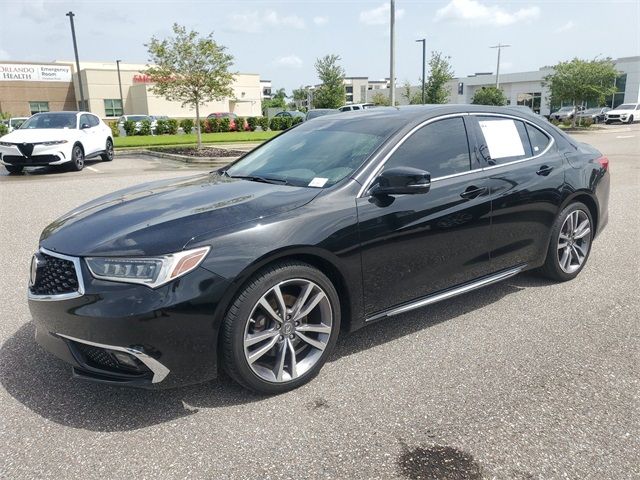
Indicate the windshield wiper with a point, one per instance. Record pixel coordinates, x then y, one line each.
256 178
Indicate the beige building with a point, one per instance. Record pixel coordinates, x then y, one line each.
27 88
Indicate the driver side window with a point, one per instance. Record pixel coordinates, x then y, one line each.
441 148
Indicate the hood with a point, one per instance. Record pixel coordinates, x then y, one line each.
623 110
32 135
161 217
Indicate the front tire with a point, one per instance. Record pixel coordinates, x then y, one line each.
570 244
630 119
77 158
281 328
14 168
107 156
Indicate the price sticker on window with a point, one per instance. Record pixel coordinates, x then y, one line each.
318 182
502 138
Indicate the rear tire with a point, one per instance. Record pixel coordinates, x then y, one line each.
271 352
77 158
107 156
570 244
14 168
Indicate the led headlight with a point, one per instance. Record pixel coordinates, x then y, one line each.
150 271
6 144
55 142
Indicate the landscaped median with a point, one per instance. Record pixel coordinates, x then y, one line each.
190 139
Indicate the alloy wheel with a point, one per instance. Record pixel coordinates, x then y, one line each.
288 330
574 241
110 149
78 157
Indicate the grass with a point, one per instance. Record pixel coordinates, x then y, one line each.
160 140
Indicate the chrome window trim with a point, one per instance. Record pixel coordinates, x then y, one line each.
367 184
63 296
158 369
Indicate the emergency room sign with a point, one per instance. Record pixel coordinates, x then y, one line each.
22 72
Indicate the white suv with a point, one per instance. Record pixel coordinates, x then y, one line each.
625 113
356 106
56 138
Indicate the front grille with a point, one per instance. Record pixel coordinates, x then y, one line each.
56 276
35 160
614 116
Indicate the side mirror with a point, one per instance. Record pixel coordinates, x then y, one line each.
401 180
84 126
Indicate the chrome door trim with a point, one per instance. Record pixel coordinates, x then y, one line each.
158 369
437 297
62 296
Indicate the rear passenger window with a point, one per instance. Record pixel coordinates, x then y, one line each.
503 140
539 140
441 148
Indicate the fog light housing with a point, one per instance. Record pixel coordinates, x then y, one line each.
126 359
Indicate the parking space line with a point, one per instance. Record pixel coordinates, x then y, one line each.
93 169
625 136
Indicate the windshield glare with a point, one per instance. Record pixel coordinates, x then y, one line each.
50 120
317 154
626 106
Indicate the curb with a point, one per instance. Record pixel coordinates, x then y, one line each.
221 161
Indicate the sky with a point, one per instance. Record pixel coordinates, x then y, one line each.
281 40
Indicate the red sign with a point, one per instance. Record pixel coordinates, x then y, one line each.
140 78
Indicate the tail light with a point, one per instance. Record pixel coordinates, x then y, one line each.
604 162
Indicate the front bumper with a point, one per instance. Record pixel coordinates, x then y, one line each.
41 155
170 333
617 118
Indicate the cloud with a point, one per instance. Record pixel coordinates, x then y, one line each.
379 15
320 20
567 26
35 11
254 22
290 61
474 12
4 55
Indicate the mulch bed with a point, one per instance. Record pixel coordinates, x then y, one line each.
206 152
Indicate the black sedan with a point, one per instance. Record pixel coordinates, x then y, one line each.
337 223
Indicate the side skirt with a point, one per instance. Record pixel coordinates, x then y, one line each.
443 295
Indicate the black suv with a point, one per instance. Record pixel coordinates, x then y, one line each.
352 218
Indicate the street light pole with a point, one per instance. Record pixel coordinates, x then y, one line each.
424 66
392 53
75 50
120 85
499 47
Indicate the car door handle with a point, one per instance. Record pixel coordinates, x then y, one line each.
473 192
544 170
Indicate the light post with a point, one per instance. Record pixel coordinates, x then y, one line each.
499 47
392 53
75 50
120 85
424 66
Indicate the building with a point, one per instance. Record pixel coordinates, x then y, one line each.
357 89
265 85
525 88
27 88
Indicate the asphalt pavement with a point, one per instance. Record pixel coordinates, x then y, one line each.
525 379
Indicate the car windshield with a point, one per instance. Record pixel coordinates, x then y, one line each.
592 110
50 120
317 154
565 109
626 106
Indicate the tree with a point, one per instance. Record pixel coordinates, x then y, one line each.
413 98
380 99
489 96
331 93
190 69
300 96
440 73
579 81
277 100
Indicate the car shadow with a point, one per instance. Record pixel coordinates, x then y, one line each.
44 385
46 170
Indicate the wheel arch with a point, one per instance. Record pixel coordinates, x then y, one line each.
590 201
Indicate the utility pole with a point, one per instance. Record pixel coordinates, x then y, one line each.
499 47
120 85
424 67
75 50
392 54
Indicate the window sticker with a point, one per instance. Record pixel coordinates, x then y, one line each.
502 137
318 182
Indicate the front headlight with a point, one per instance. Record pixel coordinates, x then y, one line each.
6 144
149 271
55 142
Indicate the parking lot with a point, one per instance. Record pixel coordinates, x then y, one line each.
521 380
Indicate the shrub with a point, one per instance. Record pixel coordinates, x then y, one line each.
286 122
129 128
297 120
264 123
115 131
162 127
172 126
3 128
225 124
275 123
203 126
566 122
187 125
252 123
145 128
585 122
214 124
241 124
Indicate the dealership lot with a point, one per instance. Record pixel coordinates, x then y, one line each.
523 379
